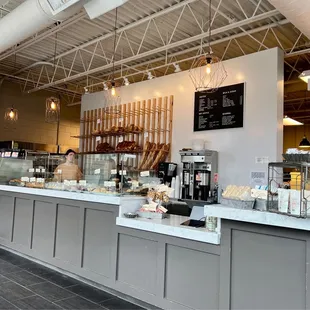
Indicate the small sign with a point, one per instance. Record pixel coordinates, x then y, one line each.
31 169
98 139
59 171
262 160
83 182
112 183
24 179
98 121
73 182
123 172
97 171
113 171
145 173
33 179
38 170
14 154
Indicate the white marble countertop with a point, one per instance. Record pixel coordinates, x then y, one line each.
257 217
99 198
172 227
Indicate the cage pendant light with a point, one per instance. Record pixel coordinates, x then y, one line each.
52 110
11 115
207 72
112 97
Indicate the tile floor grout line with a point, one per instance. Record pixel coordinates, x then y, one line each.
9 302
63 288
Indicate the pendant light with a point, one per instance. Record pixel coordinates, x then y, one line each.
207 72
112 98
11 115
287 121
52 110
304 142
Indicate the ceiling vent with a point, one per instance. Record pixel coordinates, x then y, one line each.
58 6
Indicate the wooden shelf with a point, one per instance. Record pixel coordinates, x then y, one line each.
111 152
121 116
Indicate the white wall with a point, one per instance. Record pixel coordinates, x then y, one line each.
262 134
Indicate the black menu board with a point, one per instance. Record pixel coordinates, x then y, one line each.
219 110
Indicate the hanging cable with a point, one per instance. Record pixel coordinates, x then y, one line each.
114 45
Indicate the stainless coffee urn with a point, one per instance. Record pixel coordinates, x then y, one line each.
199 175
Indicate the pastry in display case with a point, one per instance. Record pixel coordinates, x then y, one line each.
107 173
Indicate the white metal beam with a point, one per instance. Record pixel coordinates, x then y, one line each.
160 49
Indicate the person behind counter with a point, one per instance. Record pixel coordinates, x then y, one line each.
68 170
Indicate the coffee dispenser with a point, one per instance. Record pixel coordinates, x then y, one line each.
199 169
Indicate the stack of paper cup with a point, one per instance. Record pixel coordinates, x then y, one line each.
173 187
177 187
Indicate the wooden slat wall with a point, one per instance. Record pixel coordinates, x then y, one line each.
153 115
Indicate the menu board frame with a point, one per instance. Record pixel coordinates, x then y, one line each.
231 114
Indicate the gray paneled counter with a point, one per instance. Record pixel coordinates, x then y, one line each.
256 265
77 233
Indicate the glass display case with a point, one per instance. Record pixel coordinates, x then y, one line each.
111 173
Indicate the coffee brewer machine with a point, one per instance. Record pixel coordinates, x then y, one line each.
199 169
166 171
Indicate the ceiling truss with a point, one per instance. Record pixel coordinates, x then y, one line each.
152 41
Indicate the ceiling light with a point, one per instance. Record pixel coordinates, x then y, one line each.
105 86
126 82
86 90
11 115
52 110
207 72
177 68
113 91
304 142
287 121
305 76
149 75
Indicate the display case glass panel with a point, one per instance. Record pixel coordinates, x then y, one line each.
108 174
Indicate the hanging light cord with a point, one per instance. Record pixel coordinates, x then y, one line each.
55 50
114 46
209 36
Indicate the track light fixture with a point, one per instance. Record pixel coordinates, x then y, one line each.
177 68
105 86
149 75
126 82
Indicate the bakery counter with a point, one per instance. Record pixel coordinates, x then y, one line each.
170 226
80 238
263 257
257 217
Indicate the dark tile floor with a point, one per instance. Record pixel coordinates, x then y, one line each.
27 285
